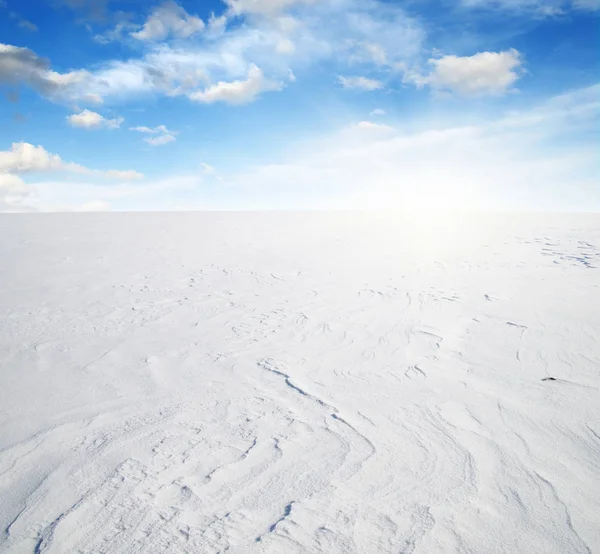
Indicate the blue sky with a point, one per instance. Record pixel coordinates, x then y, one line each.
299 104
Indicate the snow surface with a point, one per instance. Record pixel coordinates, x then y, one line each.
292 382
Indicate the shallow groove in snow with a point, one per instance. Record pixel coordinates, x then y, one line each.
303 383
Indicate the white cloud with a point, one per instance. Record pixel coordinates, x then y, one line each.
93 9
533 159
262 7
369 127
87 119
28 25
169 19
294 36
365 51
484 73
542 157
511 4
239 91
362 83
24 157
589 5
216 25
151 130
207 169
68 195
116 34
377 111
127 175
164 135
12 186
285 46
21 22
22 65
13 191
544 8
158 141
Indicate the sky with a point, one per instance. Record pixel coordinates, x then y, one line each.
410 105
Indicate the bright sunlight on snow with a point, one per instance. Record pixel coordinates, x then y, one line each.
299 383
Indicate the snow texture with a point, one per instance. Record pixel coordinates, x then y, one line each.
288 383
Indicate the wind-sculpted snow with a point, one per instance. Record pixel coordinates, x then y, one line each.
299 383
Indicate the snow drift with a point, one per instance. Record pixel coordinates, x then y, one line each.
295 382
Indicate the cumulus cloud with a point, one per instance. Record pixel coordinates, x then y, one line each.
484 73
169 19
24 157
361 83
87 119
295 34
13 191
13 187
164 136
22 65
237 92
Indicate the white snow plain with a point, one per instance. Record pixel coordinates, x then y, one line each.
289 382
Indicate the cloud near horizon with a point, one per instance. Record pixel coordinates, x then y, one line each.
246 82
25 158
369 165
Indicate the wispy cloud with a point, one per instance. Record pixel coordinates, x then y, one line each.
237 92
253 47
169 19
163 135
361 83
543 8
370 127
160 140
504 163
28 25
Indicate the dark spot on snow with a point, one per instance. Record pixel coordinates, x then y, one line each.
548 379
